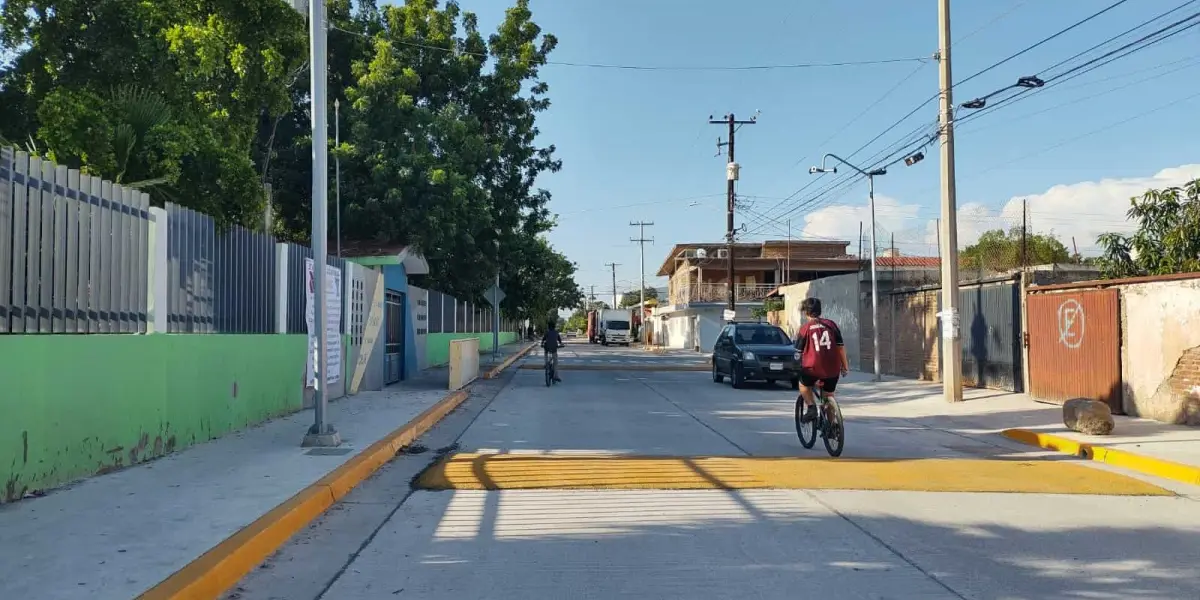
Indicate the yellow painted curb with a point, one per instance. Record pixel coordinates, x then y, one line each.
492 374
618 367
616 472
1146 465
219 569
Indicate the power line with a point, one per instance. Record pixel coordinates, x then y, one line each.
631 67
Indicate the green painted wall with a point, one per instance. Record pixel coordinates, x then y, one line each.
76 405
437 345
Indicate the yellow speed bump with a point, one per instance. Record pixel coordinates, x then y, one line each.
513 472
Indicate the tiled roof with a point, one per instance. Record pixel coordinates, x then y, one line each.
930 262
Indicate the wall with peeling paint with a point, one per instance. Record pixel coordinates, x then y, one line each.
78 405
1160 350
839 302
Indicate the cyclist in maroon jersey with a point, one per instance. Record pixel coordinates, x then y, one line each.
822 355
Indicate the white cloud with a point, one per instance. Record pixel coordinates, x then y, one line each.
1081 210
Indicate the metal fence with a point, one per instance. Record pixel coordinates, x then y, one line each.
447 314
297 297
218 281
73 250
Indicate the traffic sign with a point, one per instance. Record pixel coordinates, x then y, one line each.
494 296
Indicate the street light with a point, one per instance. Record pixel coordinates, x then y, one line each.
870 175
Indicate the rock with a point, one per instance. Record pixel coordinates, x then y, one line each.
1088 416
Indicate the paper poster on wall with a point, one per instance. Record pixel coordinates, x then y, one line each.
333 332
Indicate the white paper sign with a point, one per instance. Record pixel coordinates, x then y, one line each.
333 332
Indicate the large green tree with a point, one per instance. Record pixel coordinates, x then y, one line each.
1167 239
998 250
633 297
168 93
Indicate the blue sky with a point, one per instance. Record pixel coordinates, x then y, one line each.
636 145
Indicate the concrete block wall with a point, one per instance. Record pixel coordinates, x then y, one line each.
1160 350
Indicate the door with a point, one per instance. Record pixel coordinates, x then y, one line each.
1075 346
393 350
991 336
721 348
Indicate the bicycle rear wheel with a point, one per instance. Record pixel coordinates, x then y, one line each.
835 430
549 374
807 432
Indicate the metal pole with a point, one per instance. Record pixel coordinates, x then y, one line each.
951 341
337 161
788 277
874 283
496 317
321 433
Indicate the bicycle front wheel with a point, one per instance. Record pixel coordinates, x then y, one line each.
835 430
549 375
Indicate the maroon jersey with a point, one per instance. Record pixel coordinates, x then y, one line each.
818 341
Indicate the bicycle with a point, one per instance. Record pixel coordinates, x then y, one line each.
828 422
551 367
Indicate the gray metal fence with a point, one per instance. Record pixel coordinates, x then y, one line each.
447 314
297 295
218 281
74 252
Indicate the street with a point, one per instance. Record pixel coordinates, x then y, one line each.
626 482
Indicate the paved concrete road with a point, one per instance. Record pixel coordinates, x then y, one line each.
391 542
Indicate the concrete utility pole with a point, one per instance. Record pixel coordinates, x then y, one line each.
641 242
614 266
321 433
951 341
337 169
731 177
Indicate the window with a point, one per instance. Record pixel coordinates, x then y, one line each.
762 335
618 325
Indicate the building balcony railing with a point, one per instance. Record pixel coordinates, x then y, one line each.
719 292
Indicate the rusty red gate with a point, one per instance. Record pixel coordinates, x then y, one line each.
1075 346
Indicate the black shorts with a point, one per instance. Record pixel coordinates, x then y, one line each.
828 384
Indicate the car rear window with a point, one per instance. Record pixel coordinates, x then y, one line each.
762 336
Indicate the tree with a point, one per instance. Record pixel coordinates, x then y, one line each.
632 297
76 91
1167 239
997 251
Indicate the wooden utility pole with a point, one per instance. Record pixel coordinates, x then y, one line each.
731 177
951 341
1024 235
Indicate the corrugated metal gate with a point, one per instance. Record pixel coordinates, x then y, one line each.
1075 346
990 317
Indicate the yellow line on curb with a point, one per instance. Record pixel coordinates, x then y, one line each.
618 367
219 569
508 361
518 471
1146 465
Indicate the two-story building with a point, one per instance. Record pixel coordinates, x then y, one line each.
691 314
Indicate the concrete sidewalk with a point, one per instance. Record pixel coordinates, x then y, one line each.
993 412
115 536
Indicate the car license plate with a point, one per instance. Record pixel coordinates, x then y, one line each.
776 366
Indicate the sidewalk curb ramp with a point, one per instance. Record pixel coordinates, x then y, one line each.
1145 465
223 566
495 372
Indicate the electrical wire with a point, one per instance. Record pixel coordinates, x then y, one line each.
631 67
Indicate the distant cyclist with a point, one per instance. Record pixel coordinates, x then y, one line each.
822 355
551 342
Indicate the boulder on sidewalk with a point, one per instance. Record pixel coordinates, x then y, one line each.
1088 416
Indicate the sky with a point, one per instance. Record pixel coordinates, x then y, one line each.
636 145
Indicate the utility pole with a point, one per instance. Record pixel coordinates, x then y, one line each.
641 242
321 433
788 278
951 341
1024 234
731 176
614 266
